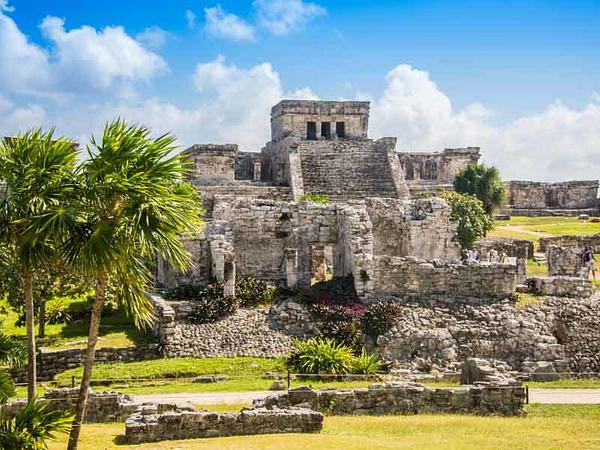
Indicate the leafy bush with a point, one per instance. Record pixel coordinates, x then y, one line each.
320 356
484 183
344 332
57 312
33 426
252 292
322 199
366 363
7 387
472 219
379 318
212 305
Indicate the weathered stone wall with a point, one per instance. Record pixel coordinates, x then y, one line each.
102 407
564 195
419 228
248 166
351 169
289 118
413 277
53 362
247 332
212 163
435 334
562 286
177 425
565 261
406 398
198 273
579 242
521 249
427 188
437 166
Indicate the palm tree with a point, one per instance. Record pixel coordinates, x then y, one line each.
484 183
12 354
37 170
137 205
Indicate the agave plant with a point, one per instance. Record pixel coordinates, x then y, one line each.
366 363
33 426
320 356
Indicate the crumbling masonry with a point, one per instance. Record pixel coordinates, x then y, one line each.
258 225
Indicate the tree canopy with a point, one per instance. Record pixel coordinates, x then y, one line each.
472 219
484 183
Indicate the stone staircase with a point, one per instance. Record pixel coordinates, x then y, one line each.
346 170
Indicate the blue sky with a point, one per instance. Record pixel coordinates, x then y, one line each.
519 78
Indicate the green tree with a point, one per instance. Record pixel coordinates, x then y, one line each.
38 171
12 354
136 205
484 183
472 219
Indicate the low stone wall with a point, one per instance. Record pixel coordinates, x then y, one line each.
412 277
580 242
544 212
246 332
561 195
406 398
193 425
562 286
565 261
53 362
521 249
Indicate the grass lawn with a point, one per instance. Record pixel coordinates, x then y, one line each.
116 330
545 427
532 228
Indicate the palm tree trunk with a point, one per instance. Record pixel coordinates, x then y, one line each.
42 320
101 283
30 325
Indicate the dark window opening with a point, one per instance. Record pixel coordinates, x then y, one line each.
340 129
311 131
326 130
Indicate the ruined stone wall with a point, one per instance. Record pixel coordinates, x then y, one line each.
289 118
565 261
419 228
414 277
407 398
248 166
263 231
579 242
437 166
568 195
178 425
53 362
427 188
198 273
212 163
521 249
352 169
562 286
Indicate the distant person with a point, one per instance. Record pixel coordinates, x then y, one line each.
589 263
493 256
503 258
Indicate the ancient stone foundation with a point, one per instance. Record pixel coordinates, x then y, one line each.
562 286
192 425
102 407
406 398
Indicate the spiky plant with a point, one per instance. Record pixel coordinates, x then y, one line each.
135 206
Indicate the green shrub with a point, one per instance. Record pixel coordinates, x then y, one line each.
343 332
321 199
57 312
252 292
380 318
472 219
212 305
484 183
320 356
366 363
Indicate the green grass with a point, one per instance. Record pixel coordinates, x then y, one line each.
566 384
116 330
546 427
536 270
532 228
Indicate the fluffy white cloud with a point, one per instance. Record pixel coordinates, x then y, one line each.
153 37
80 59
190 18
4 6
282 17
225 25
556 144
